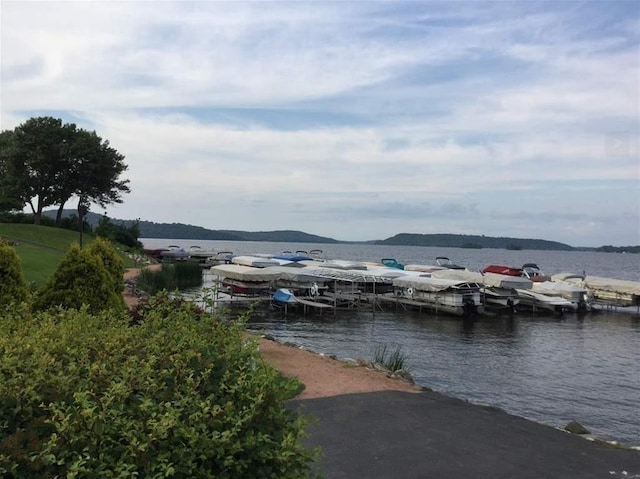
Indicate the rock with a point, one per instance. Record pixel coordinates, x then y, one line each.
404 375
574 427
362 362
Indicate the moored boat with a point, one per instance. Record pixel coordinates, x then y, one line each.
498 291
537 301
605 291
461 298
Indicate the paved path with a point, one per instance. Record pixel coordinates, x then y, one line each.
399 435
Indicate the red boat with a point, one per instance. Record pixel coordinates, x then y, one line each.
506 270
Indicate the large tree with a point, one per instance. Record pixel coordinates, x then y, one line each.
51 162
11 193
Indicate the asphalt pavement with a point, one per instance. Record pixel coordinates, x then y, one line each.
396 435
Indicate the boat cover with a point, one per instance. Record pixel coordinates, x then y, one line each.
558 288
293 257
337 264
422 283
255 261
296 274
426 268
351 276
490 280
543 298
244 273
603 284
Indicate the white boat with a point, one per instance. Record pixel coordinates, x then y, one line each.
538 301
577 295
605 291
221 257
462 298
174 253
446 263
499 291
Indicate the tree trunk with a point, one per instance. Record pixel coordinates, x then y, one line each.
59 214
83 209
37 214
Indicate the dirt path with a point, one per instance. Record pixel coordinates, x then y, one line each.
324 377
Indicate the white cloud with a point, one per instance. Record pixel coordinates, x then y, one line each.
461 113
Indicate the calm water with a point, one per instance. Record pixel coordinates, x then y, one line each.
543 368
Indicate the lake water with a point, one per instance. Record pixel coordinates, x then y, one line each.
552 370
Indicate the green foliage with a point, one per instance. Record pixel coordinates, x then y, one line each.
90 396
120 233
111 260
392 360
80 279
181 275
13 287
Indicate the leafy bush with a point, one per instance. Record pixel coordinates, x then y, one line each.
119 232
90 396
13 287
111 260
80 279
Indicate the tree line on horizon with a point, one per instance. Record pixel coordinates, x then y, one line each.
149 229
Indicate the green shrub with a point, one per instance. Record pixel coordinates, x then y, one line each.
90 396
13 287
80 279
111 260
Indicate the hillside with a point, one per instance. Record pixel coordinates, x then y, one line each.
149 229
473 241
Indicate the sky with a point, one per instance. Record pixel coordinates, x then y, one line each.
352 120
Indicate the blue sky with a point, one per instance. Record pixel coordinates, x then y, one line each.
353 120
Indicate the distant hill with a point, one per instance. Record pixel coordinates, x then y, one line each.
473 241
284 236
149 229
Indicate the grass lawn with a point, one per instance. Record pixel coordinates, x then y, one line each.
41 248
38 264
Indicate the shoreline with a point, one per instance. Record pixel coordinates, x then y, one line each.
326 376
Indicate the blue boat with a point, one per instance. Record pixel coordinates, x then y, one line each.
391 263
284 296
